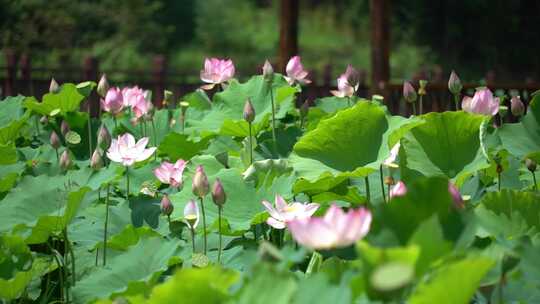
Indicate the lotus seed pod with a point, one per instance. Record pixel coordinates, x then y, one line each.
166 206
422 89
268 71
218 193
516 106
530 164
65 160
55 140
454 83
168 98
104 137
54 87
96 162
64 127
103 86
200 186
249 111
408 92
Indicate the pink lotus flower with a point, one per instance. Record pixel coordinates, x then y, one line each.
191 214
456 196
169 173
344 85
398 189
141 107
284 212
334 230
124 150
216 71
113 102
131 95
295 71
481 103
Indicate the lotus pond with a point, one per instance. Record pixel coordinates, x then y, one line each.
233 194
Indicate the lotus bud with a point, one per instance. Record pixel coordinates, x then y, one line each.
168 98
54 87
64 127
96 162
249 111
398 190
353 76
304 108
499 169
55 140
200 186
268 71
454 84
103 86
530 164
103 137
422 89
408 92
516 106
44 120
191 214
218 194
166 206
65 160
456 196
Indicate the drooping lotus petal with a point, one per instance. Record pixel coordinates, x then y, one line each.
113 102
217 71
295 71
335 229
482 102
398 189
125 150
283 212
171 174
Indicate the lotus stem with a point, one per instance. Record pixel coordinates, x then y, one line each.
154 136
204 224
115 123
368 194
219 230
456 101
192 238
89 133
414 108
382 182
274 138
534 180
420 105
183 118
127 183
499 180
106 226
250 145
58 155
69 248
348 101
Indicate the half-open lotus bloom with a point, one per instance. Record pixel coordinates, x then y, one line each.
124 150
456 196
216 71
399 189
141 107
335 229
113 102
295 71
283 212
171 174
132 95
482 102
191 214
345 88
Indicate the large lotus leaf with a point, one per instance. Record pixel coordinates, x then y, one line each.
523 138
162 126
68 99
316 289
176 145
191 285
243 199
9 174
453 283
39 206
332 104
8 154
510 213
141 263
12 118
448 144
229 104
425 198
353 142
15 266
268 285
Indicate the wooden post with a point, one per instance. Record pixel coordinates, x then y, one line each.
159 73
11 73
288 31
90 73
380 45
26 74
